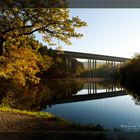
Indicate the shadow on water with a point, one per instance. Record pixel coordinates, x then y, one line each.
134 91
47 93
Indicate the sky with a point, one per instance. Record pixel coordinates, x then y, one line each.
114 32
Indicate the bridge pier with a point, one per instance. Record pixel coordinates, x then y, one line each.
68 60
91 67
111 65
88 69
112 68
94 67
108 66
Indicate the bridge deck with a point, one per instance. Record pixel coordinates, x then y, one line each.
95 56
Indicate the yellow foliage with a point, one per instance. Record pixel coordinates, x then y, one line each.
50 22
21 65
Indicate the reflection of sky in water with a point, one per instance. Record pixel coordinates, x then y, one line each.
109 112
101 90
82 92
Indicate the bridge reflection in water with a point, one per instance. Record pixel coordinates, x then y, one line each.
93 91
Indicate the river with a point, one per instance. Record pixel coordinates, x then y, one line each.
95 102
84 101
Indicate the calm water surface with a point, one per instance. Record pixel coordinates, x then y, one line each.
90 103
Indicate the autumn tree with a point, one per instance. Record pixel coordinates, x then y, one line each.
49 22
17 39
21 65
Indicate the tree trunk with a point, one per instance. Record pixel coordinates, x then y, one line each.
1 45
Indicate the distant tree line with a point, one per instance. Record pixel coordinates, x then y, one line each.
103 71
129 78
62 66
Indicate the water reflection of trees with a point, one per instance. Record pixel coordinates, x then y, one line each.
109 84
37 97
65 88
135 93
26 98
136 98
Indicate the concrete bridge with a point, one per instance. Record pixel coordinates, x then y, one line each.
110 61
94 56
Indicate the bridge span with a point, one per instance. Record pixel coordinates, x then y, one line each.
95 56
110 61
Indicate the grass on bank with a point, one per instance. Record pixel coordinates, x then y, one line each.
60 121
30 113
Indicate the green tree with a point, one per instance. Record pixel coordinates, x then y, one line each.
129 73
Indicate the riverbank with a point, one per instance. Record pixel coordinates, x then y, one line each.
38 125
15 120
